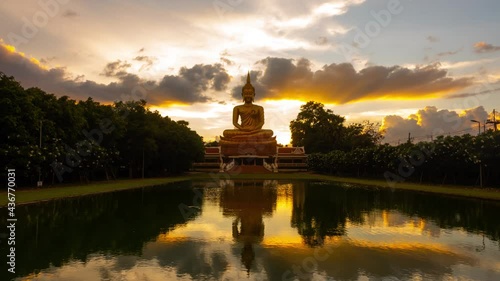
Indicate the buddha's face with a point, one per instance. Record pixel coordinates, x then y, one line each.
248 95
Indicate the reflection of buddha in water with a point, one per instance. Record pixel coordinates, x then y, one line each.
251 231
248 202
251 115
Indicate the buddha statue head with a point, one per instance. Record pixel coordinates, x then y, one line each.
248 91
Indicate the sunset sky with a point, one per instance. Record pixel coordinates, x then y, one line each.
425 67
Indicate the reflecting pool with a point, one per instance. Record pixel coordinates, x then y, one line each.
257 230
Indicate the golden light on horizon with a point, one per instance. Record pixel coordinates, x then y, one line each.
283 138
9 48
350 96
287 103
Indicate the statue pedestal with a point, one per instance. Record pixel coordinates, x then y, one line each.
260 150
248 146
250 164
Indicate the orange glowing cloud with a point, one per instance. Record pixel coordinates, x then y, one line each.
483 47
12 50
340 83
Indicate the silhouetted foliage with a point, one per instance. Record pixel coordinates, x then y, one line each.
212 144
320 130
450 159
86 140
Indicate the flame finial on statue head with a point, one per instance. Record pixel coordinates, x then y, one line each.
248 85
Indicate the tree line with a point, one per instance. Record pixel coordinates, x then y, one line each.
57 139
355 150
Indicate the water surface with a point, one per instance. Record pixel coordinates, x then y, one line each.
258 230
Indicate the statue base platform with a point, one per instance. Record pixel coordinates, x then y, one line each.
248 164
248 146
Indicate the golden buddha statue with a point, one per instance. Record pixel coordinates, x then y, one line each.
248 137
252 116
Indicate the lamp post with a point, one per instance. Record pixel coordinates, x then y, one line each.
489 121
493 121
480 166
479 125
480 174
40 182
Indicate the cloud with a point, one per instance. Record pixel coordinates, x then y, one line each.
147 60
432 39
322 40
259 88
429 122
281 25
284 78
47 60
203 77
226 61
483 47
224 58
186 87
449 53
478 92
115 69
280 78
191 83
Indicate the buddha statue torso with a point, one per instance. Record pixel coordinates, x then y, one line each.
251 116
248 137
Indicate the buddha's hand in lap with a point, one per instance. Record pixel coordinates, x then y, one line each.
251 130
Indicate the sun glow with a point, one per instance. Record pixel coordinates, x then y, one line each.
9 48
284 138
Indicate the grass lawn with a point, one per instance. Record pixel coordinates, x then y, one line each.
41 194
47 193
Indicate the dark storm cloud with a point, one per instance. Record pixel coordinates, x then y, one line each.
186 87
341 83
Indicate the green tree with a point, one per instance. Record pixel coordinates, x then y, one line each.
317 129
157 144
88 139
212 143
320 130
361 135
